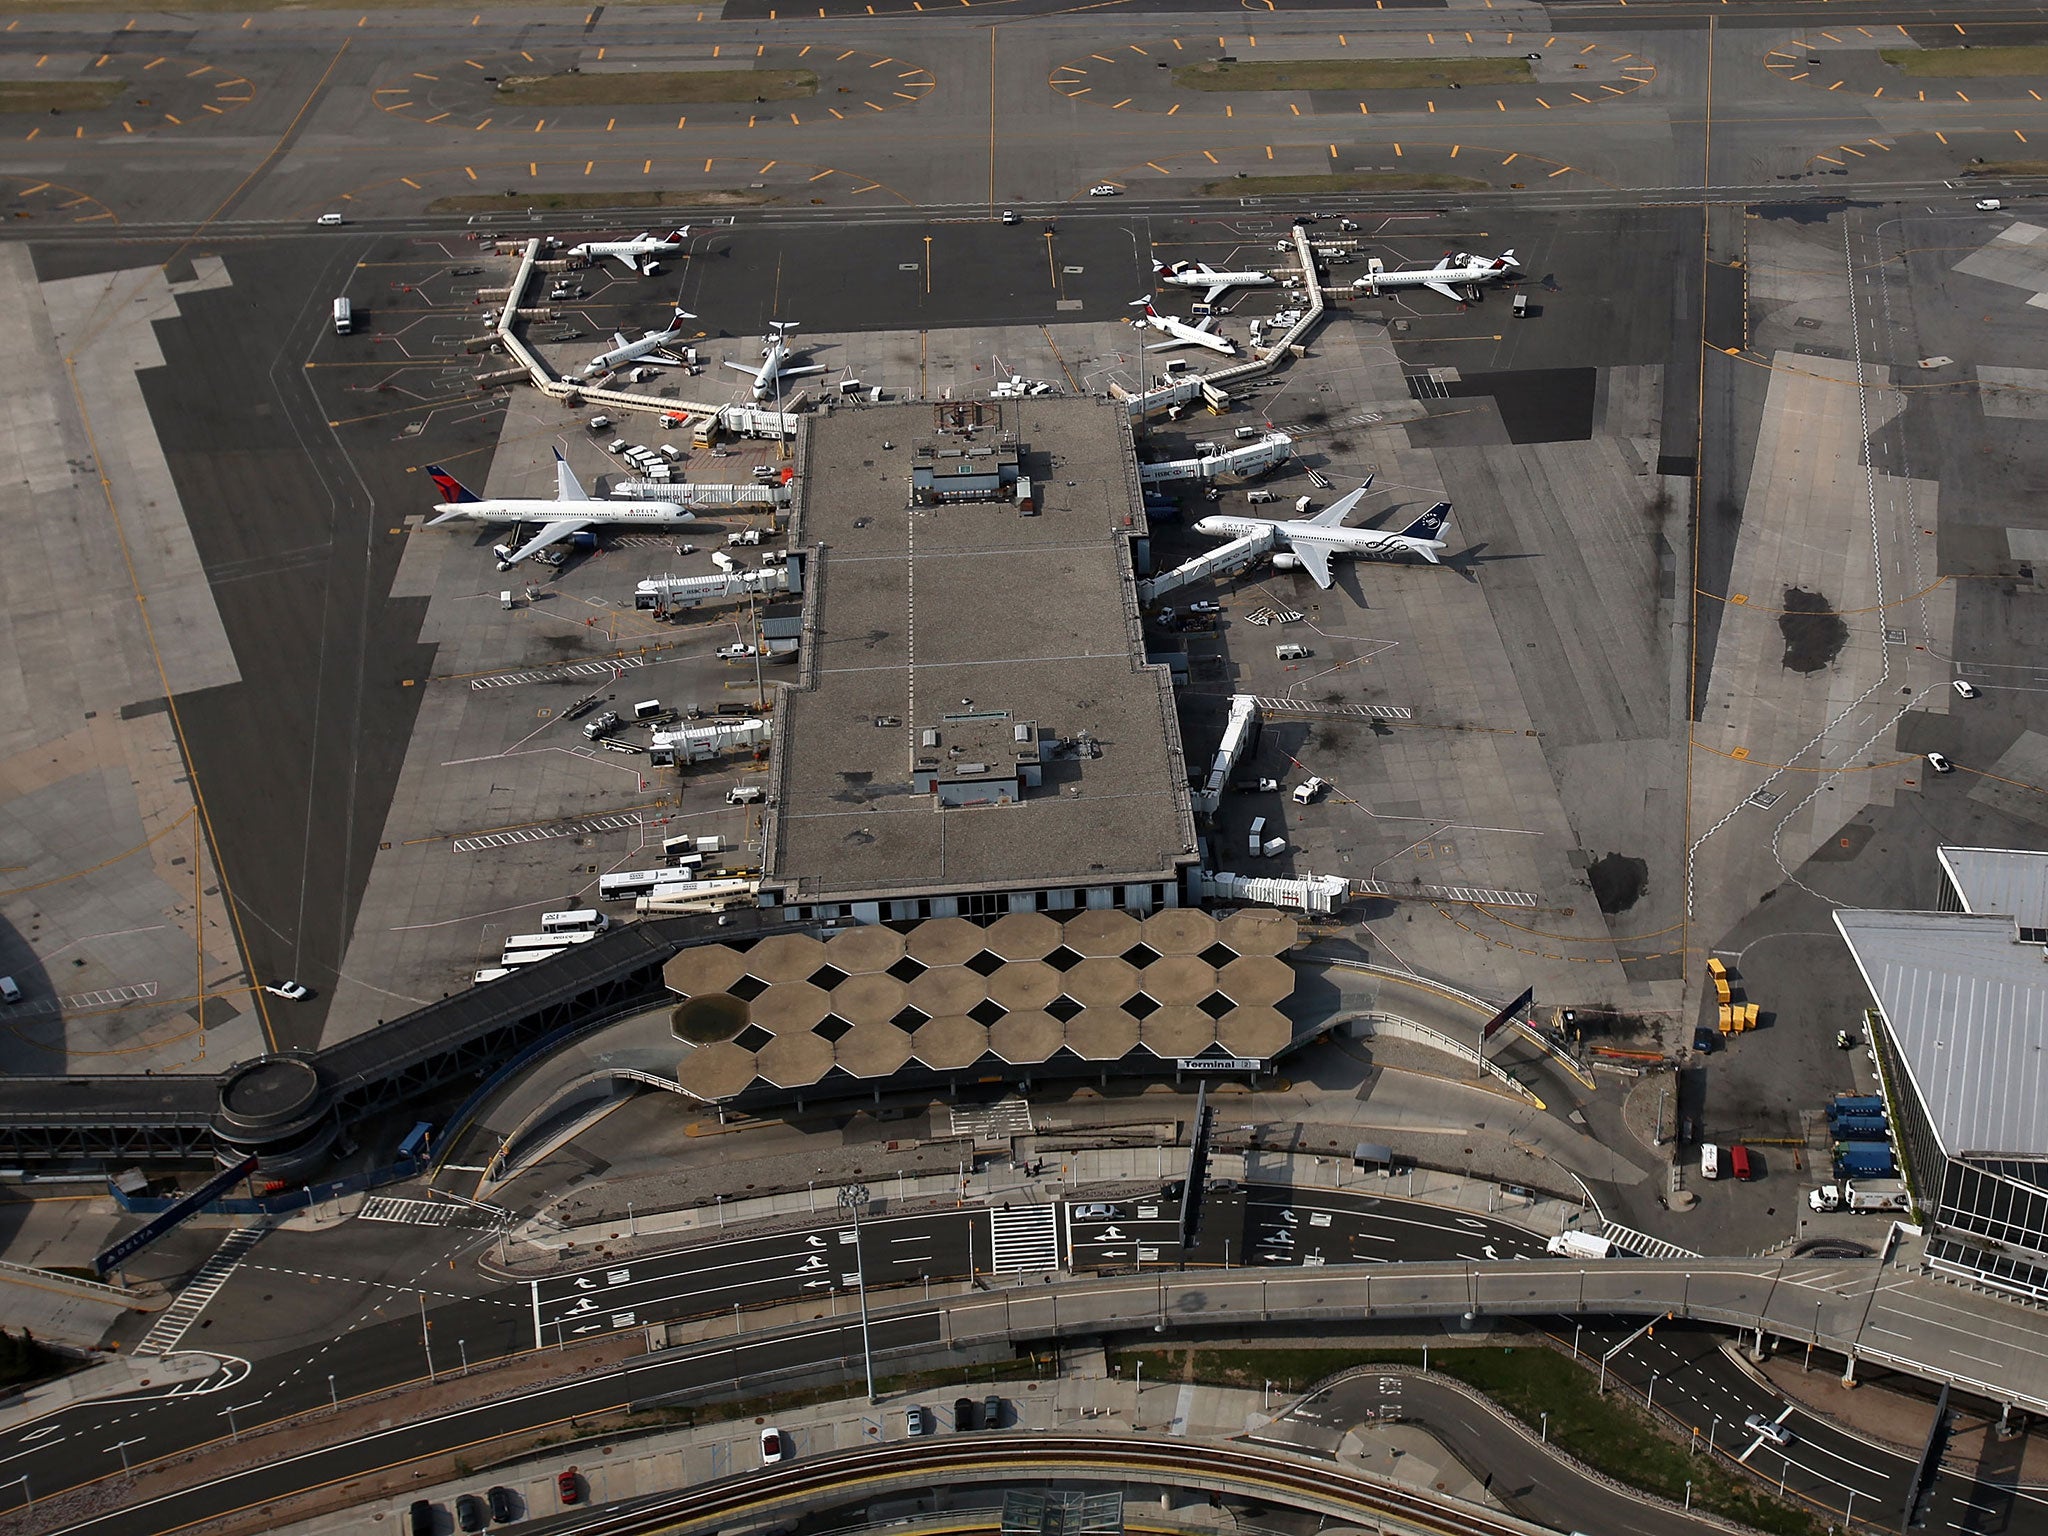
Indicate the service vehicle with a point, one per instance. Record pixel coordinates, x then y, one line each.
1100 189
291 991
1308 789
602 725
329 219
1860 1195
1579 1245
1939 763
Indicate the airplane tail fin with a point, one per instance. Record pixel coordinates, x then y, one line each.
1430 524
1506 260
682 314
451 489
679 236
1159 268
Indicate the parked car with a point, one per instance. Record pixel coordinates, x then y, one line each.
992 1411
916 1421
1964 690
566 1485
775 1446
469 1513
291 991
503 1510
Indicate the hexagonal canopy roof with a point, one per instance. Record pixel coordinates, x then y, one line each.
872 1050
870 997
703 968
947 989
868 947
1027 1037
1101 983
789 1006
1257 931
1103 931
1255 980
944 941
716 1071
1022 936
951 1044
1179 931
794 1061
785 957
1102 1034
1178 979
1025 984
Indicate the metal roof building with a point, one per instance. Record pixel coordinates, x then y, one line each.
2012 882
1960 1032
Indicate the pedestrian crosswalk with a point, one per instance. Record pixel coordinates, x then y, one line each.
1024 1238
166 1332
611 666
424 1213
624 822
1644 1246
1286 706
993 1122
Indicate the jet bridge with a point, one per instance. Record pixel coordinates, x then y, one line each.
1239 735
1224 557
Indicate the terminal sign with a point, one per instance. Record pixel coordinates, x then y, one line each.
1219 1064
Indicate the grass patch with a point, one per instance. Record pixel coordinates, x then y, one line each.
60 95
2009 168
556 202
1356 181
1612 1433
1351 74
23 1360
640 88
1966 63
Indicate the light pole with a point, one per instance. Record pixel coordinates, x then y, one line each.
122 1447
1710 1436
426 1336
1544 1438
1650 1397
853 1197
333 1397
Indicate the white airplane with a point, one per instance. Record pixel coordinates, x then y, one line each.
775 360
1182 333
570 513
1463 270
1213 283
637 253
647 349
1308 543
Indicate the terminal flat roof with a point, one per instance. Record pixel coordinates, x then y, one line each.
911 611
1967 1004
2013 881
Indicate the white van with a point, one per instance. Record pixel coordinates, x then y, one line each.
1710 1161
10 990
1291 652
344 317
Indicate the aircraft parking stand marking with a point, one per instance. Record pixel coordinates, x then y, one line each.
619 172
462 97
229 94
1065 77
477 844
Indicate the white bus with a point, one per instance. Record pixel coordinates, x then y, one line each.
581 920
628 883
520 941
517 957
492 973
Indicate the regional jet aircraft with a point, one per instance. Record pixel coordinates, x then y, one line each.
1182 334
1213 283
637 253
648 349
570 513
1463 270
775 355
1308 543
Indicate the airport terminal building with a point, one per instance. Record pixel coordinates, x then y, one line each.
975 731
1960 1029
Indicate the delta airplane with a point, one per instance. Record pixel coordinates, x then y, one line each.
1214 284
1308 543
647 349
637 253
570 513
775 365
1183 334
1463 270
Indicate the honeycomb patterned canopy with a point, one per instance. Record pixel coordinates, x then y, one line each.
951 996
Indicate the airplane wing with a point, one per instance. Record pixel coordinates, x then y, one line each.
566 488
792 373
1314 556
1334 514
1164 346
1214 292
553 533
1445 289
1206 323
749 370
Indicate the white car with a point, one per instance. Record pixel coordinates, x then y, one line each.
775 1446
291 991
1774 1432
1204 605
1963 689
1102 189
1009 215
1939 763
1989 205
1095 1213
